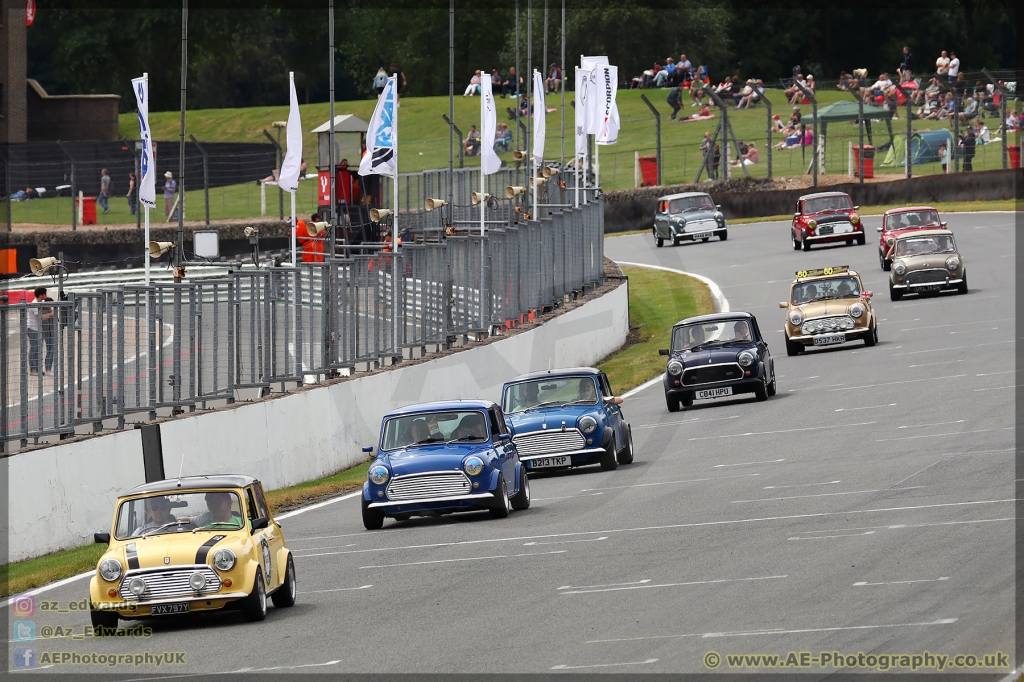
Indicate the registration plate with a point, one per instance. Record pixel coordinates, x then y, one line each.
546 462
713 393
930 287
842 229
169 609
701 235
829 339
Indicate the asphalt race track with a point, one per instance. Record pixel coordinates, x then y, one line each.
868 507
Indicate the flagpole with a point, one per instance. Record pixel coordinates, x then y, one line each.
536 164
396 237
483 199
152 169
291 81
562 67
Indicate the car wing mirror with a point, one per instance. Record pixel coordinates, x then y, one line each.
101 538
879 229
718 206
783 304
856 208
868 294
663 351
260 523
943 224
368 449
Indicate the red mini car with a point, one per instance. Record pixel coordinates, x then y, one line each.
826 217
900 221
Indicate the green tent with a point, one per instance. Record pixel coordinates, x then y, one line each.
847 110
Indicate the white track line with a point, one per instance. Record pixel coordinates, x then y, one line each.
475 558
603 665
686 584
721 302
318 505
901 582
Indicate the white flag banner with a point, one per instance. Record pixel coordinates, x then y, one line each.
608 110
381 156
147 175
594 88
582 102
489 161
288 180
588 63
539 120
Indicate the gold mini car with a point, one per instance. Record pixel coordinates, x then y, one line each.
826 307
926 261
200 543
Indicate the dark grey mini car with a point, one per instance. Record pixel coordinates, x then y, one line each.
688 216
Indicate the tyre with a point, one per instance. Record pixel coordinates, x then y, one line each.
793 348
962 287
872 337
796 244
659 242
521 500
626 456
675 241
861 239
373 519
884 262
894 294
806 245
103 620
761 390
608 461
672 403
723 235
772 387
254 607
284 596
502 505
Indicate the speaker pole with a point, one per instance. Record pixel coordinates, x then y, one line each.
451 107
181 145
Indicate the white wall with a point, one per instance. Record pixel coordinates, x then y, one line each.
62 494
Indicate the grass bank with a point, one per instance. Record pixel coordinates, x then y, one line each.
657 300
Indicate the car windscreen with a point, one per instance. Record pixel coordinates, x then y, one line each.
719 332
837 203
690 204
425 428
840 287
909 219
178 512
919 246
548 392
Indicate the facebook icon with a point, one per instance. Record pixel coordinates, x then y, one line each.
24 657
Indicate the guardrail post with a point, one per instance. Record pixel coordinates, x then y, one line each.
206 178
657 131
74 212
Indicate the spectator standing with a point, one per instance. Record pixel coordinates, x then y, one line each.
716 158
705 144
512 83
954 66
34 328
380 81
675 100
906 70
104 198
170 188
133 193
554 80
942 66
49 323
401 82
968 142
472 142
943 156
474 85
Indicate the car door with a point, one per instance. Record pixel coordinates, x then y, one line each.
762 347
264 539
505 450
615 417
797 214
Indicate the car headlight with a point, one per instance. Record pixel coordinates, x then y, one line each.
889 241
900 269
110 570
846 323
719 216
675 368
588 424
795 318
807 328
224 559
197 581
137 586
856 310
474 466
819 325
746 358
379 475
953 263
854 219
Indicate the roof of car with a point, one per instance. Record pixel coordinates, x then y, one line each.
562 371
682 195
903 209
834 275
925 233
713 317
818 195
442 405
193 483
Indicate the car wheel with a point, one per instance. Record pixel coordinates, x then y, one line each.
659 242
761 389
894 294
793 348
502 505
103 620
626 456
806 245
861 240
884 262
723 235
284 596
962 287
254 607
521 500
672 403
772 386
872 337
608 461
687 402
675 241
373 519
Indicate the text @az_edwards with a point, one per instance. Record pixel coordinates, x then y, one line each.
881 662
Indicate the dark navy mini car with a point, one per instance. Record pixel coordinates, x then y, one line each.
716 356
443 457
567 418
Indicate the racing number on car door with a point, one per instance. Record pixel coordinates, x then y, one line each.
262 539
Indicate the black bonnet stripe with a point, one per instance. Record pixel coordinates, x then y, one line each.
131 555
206 547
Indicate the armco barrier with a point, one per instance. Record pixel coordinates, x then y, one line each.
634 209
60 495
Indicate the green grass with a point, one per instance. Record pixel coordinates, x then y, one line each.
657 300
341 482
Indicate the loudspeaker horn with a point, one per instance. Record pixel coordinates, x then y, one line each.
379 214
250 231
537 181
518 155
477 197
435 203
550 171
316 228
512 191
41 266
157 249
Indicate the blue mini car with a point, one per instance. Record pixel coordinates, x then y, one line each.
717 356
444 457
567 418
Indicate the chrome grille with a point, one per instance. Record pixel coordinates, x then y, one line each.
172 582
422 486
547 442
829 325
711 374
934 276
701 226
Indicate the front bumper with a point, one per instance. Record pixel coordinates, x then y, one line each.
926 286
434 503
674 387
825 238
577 457
696 234
140 609
851 334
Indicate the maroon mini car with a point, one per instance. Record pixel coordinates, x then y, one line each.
824 218
900 221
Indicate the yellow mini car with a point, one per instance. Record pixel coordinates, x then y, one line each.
201 543
827 307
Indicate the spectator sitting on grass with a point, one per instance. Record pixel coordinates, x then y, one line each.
947 108
474 85
794 141
502 138
777 125
665 74
930 109
472 142
970 110
697 88
554 80
749 158
981 132
752 94
878 88
495 80
794 122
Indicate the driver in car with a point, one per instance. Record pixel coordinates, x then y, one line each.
846 290
740 331
587 392
805 294
419 432
158 513
696 336
471 426
219 505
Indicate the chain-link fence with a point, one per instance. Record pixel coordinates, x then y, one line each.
136 352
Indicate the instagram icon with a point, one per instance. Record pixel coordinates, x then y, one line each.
24 605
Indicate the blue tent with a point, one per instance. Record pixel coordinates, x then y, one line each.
924 145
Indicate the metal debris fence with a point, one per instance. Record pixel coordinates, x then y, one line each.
137 352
